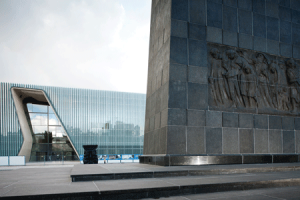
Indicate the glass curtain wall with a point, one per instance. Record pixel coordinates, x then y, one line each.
112 120
50 142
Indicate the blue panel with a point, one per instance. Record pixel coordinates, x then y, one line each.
232 3
197 32
296 34
259 25
229 18
112 120
245 22
197 53
214 14
285 3
285 14
245 4
285 32
180 10
295 4
272 8
272 28
198 12
296 16
178 50
179 28
259 6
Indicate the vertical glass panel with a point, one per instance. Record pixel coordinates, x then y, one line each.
39 129
29 107
53 120
38 119
39 108
51 110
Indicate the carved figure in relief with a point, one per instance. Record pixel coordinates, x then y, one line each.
232 75
216 77
294 80
242 78
261 65
283 92
248 87
273 79
283 98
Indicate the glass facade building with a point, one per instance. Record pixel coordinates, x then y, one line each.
61 120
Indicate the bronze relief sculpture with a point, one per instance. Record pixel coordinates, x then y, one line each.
245 80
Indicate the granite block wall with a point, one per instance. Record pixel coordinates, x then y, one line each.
181 117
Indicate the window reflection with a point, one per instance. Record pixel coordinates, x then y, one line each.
50 142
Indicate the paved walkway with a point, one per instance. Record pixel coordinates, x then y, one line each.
287 193
33 180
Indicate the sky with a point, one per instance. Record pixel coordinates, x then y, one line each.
92 44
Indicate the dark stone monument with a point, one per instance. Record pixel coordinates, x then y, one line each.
223 82
90 154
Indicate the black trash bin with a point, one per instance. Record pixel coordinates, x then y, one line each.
90 154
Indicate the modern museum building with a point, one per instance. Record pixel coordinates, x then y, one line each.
43 122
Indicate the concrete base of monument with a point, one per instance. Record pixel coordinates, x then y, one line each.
217 159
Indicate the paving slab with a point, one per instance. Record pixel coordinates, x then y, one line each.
44 182
132 170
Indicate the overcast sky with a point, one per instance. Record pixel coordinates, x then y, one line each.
93 44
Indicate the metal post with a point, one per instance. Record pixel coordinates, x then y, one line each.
63 159
44 160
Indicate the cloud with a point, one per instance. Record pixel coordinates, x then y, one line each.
83 44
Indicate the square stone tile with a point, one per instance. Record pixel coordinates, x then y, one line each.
176 143
288 141
197 32
288 123
230 38
197 12
213 119
179 28
178 50
245 22
230 18
213 140
177 117
285 32
285 13
261 121
197 96
246 139
245 120
259 25
245 4
230 119
195 140
275 141
214 14
275 122
272 8
180 10
196 117
214 35
261 141
177 95
259 6
259 44
285 50
245 41
230 141
197 74
197 53
178 72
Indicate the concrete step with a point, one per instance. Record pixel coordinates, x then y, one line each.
175 186
92 173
